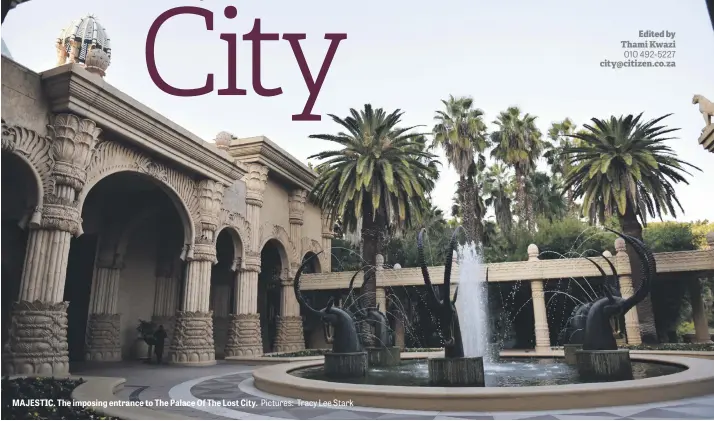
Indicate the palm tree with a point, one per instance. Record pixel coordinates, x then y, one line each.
560 134
518 144
461 133
622 168
380 177
499 194
546 194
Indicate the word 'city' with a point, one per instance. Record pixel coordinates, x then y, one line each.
255 36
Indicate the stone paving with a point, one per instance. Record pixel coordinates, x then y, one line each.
233 384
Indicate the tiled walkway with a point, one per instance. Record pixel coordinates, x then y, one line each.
233 384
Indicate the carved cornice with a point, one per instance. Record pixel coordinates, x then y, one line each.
71 88
681 261
281 164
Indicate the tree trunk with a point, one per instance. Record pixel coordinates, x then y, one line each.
648 329
467 214
520 207
373 230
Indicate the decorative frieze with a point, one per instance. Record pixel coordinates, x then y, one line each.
37 340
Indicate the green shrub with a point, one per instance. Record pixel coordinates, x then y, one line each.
29 388
671 347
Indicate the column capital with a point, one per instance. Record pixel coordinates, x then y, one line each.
210 199
252 262
60 216
256 180
327 227
203 252
73 142
296 203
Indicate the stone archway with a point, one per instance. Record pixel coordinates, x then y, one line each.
130 226
229 254
273 259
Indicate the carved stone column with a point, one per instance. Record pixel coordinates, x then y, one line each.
701 328
103 338
244 339
627 289
290 337
37 341
327 236
192 342
542 333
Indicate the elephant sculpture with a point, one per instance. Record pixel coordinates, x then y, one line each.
598 330
374 317
344 338
443 308
574 332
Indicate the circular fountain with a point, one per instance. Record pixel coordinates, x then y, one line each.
466 378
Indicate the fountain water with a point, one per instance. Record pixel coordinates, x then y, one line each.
472 304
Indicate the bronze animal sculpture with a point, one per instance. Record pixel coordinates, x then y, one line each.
598 330
344 337
443 308
373 317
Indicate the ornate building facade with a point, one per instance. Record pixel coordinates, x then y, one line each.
112 213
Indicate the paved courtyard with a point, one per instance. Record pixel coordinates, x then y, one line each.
233 384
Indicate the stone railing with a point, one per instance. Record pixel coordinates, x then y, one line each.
681 261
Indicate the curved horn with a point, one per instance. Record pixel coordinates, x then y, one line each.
296 287
425 269
608 293
448 263
357 302
645 256
456 294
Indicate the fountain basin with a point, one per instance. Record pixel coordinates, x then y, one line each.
697 379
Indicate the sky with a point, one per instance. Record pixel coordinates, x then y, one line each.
541 56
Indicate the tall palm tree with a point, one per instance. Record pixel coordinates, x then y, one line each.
546 194
461 133
380 177
519 144
623 168
560 135
499 194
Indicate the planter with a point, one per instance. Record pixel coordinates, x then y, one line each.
384 357
345 365
603 366
456 371
569 351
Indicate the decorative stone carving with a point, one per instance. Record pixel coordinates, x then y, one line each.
223 140
244 338
314 246
102 341
706 108
237 221
204 252
73 145
97 61
38 340
210 194
35 149
252 261
289 336
256 181
296 203
112 157
192 341
269 231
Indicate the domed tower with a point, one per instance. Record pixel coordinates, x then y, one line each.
86 42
